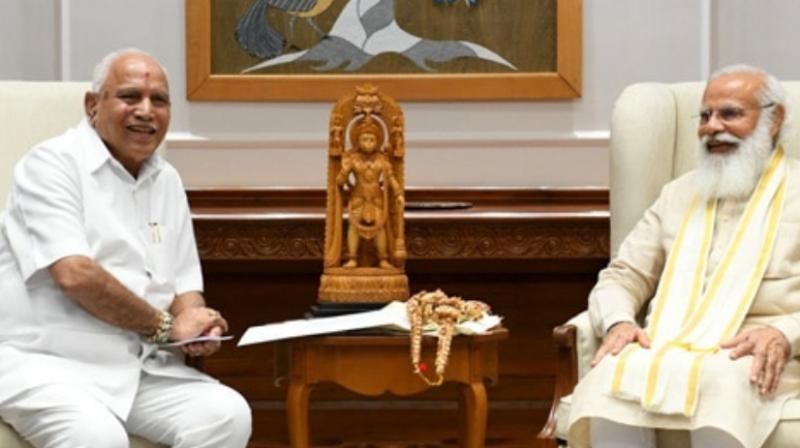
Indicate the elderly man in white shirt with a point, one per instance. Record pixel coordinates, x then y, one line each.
99 269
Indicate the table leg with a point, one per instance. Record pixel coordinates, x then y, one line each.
297 413
473 410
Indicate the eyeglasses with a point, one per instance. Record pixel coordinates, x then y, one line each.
728 114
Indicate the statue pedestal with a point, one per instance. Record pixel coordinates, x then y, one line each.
363 285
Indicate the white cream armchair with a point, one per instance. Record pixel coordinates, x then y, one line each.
653 140
31 112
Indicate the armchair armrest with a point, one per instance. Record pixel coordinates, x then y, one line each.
576 344
586 342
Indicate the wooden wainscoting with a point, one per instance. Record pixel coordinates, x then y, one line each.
532 254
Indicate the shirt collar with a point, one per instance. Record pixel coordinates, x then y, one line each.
97 154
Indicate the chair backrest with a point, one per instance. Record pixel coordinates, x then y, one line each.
654 140
31 112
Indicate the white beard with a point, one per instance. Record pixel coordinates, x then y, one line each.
736 173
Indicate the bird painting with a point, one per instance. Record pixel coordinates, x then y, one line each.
255 34
362 30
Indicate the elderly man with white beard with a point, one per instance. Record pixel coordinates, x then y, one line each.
714 265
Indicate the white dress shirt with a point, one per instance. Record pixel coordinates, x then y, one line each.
71 197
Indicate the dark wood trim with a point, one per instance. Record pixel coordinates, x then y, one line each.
226 198
502 223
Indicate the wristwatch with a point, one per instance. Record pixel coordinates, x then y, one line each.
161 335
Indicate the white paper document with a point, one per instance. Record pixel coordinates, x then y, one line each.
198 339
391 316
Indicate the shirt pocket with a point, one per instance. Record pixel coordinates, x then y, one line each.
785 259
160 251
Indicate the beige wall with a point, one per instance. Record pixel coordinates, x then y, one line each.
528 143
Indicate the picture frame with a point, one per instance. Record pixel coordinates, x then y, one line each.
563 81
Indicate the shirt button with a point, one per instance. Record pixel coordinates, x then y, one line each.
149 274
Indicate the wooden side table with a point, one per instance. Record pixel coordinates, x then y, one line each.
375 365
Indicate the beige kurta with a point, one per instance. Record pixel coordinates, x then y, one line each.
727 400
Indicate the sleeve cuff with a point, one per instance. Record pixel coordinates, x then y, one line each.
43 257
608 306
190 283
790 327
610 321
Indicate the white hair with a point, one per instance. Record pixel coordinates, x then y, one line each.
100 73
772 91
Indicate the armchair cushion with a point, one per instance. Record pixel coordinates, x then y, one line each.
31 112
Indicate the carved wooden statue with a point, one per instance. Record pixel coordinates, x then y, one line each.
365 256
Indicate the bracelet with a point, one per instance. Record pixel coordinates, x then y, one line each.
161 335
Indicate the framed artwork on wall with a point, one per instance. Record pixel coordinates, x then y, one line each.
306 50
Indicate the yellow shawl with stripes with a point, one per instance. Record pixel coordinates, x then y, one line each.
689 320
